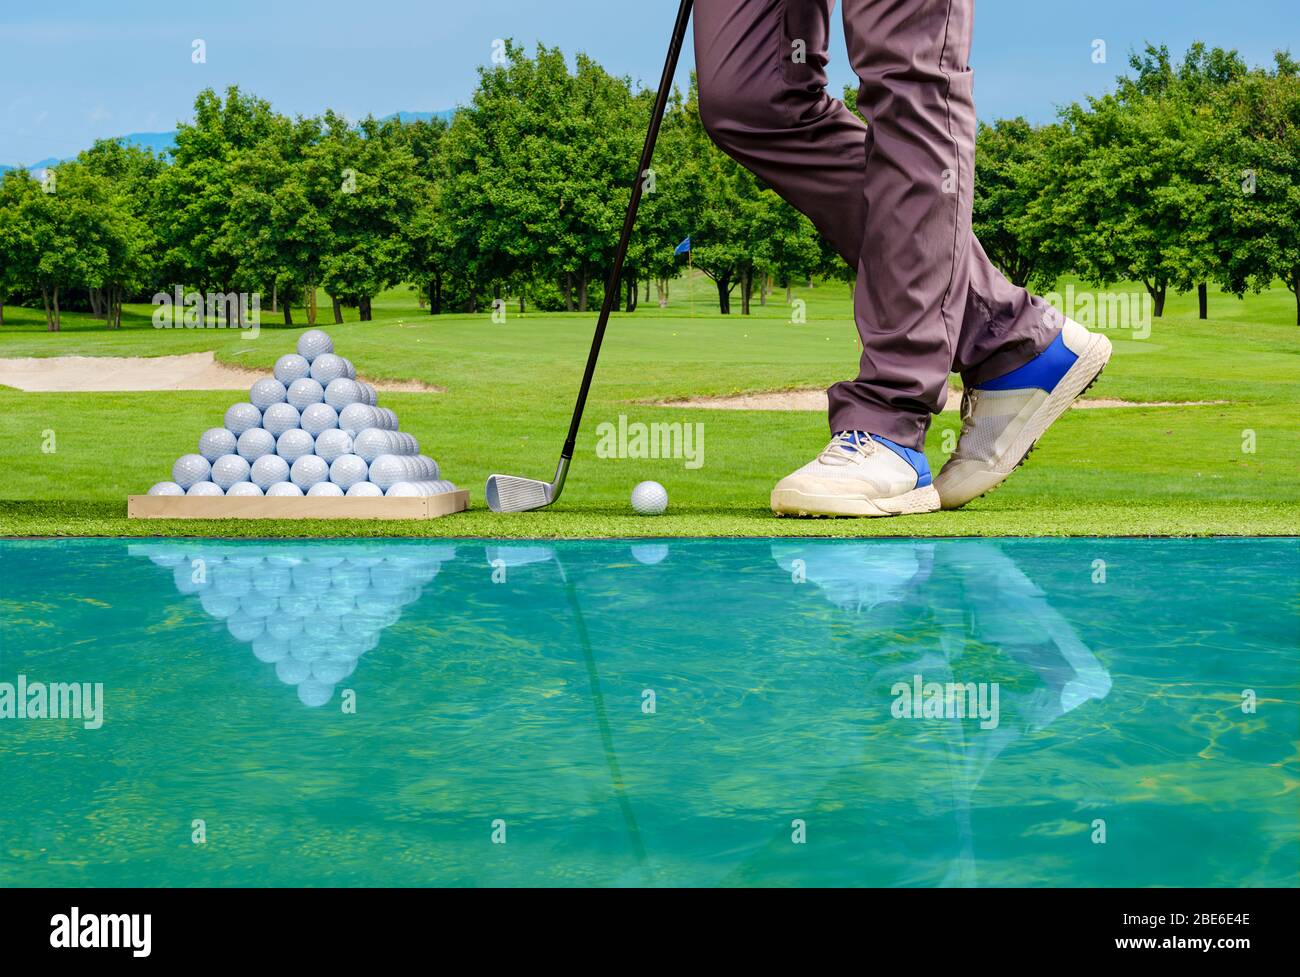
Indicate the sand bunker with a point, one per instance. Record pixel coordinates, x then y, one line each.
815 400
190 371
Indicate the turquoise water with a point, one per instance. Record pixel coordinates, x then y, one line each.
653 713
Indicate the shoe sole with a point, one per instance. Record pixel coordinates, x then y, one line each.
789 502
1082 375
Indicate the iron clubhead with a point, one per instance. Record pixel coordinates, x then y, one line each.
510 493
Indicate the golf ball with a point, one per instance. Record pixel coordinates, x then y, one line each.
341 392
317 418
291 367
204 488
266 392
308 470
649 499
355 418
361 489
371 443
170 488
283 488
240 417
279 418
347 470
215 442
325 488
256 442
246 488
370 397
293 444
332 443
313 343
229 469
268 470
387 419
385 470
189 469
401 490
305 391
327 367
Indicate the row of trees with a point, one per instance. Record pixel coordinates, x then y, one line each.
1188 174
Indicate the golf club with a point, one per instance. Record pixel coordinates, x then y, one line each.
511 493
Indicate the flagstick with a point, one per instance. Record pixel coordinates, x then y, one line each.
690 285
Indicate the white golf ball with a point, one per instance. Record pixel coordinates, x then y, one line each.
313 343
386 470
342 392
291 367
240 417
266 392
279 418
189 469
403 490
317 418
355 418
364 490
256 442
204 488
268 470
308 470
246 488
229 469
387 419
352 370
169 488
327 367
373 442
370 397
325 488
649 499
347 470
303 392
283 488
293 444
333 443
215 442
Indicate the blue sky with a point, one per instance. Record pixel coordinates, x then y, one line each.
75 71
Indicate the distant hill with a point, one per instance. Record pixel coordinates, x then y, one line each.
164 142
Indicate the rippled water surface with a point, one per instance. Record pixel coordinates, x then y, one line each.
653 713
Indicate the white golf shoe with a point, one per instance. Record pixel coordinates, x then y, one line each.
858 474
1003 418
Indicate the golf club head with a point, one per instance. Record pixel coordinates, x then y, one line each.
510 493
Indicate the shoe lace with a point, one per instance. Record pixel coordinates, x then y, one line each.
969 397
846 449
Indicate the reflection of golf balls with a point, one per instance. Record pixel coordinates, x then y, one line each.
318 417
313 693
256 442
279 418
313 343
649 499
266 392
308 470
327 367
293 444
325 488
246 488
650 553
229 469
190 469
332 443
171 488
347 471
291 367
305 391
215 442
283 488
240 417
204 488
362 489
268 470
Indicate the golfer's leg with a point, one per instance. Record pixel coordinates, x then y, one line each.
1004 326
914 269
761 66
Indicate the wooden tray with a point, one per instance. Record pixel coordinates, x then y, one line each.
293 507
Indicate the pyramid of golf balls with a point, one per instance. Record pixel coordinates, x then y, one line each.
311 429
310 611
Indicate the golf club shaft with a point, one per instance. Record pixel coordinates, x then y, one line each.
612 287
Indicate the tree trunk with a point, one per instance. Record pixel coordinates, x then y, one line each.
630 305
1203 296
2 309
58 320
364 306
647 288
288 314
1295 287
724 294
567 288
309 300
582 291
45 300
275 297
433 297
746 290
437 294
96 303
789 293
1157 293
338 310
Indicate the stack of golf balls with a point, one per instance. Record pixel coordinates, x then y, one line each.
311 429
311 612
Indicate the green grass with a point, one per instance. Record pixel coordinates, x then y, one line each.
510 386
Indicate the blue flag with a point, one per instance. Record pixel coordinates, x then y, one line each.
683 247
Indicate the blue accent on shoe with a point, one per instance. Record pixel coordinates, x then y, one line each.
1044 371
920 464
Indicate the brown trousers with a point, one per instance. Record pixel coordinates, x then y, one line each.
893 199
